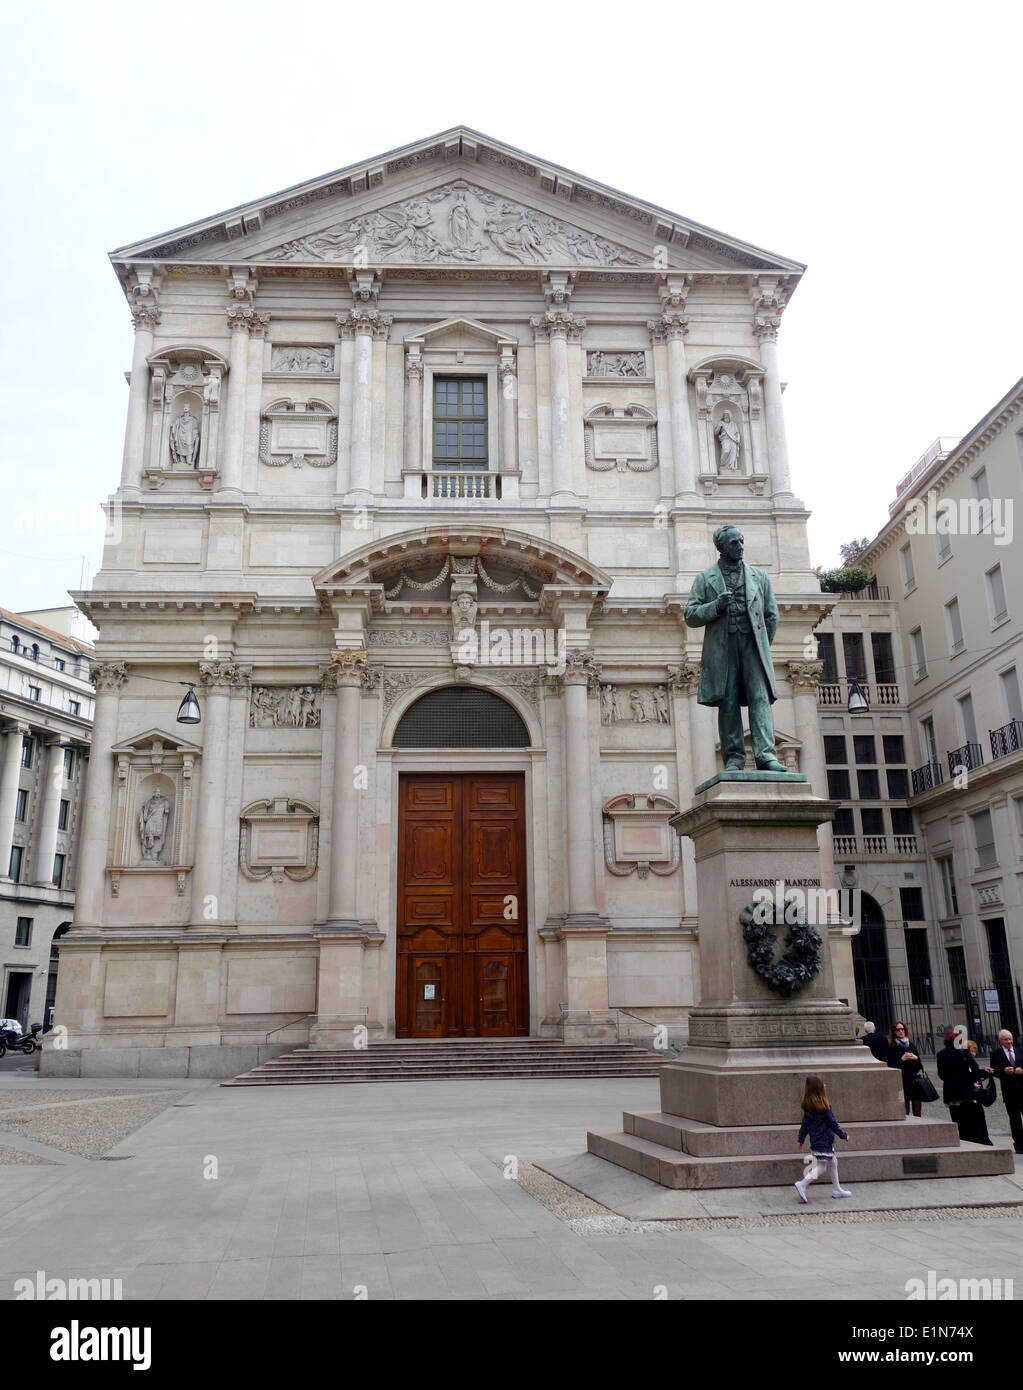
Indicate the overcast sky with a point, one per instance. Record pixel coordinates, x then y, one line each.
880 144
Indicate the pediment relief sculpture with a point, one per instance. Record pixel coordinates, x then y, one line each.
457 222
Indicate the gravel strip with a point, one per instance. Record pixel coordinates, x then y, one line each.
86 1127
22 1098
9 1155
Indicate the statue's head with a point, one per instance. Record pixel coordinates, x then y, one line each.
727 417
729 541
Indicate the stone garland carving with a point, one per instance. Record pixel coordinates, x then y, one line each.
517 582
623 364
644 704
459 222
283 813
308 361
622 437
423 586
154 818
284 706
314 434
800 961
622 807
457 565
407 637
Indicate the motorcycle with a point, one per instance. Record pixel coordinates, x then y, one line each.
13 1041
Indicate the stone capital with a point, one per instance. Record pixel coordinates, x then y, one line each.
239 318
364 319
804 676
224 675
259 325
765 328
145 316
581 669
557 323
684 677
348 667
668 328
108 676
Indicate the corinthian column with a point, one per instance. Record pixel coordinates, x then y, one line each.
767 309
671 328
557 327
9 792
239 318
367 324
413 462
217 680
145 318
46 836
347 674
582 675
108 678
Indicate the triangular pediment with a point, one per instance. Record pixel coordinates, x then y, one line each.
459 199
163 742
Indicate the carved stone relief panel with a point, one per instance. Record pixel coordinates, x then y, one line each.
284 707
302 361
637 704
611 364
621 437
280 838
298 432
638 838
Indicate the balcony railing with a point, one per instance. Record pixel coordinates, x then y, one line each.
905 844
461 486
968 756
878 592
844 845
926 777
1007 739
830 693
885 694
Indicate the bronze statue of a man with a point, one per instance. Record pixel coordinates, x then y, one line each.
735 603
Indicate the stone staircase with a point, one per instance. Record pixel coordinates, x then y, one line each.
497 1059
682 1153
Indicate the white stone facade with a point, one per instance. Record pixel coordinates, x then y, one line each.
292 541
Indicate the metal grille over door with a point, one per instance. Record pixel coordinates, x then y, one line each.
459 718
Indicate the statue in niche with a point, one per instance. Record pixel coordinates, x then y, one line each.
184 440
462 226
153 821
730 442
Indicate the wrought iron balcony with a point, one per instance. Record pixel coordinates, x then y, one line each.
926 777
878 592
1008 739
969 756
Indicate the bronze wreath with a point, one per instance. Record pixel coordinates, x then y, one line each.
801 960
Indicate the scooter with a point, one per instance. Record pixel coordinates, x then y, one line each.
10 1041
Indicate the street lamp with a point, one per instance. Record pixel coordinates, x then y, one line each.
189 711
858 703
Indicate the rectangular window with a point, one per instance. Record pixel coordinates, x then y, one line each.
942 541
17 854
459 422
902 822
894 748
58 664
955 626
838 785
999 609
967 722
843 822
928 740
23 932
69 764
912 904
984 838
918 964
898 783
948 887
869 784
64 815
906 566
58 870
1010 694
35 692
852 651
834 749
982 498
872 820
884 658
26 752
957 974
74 707
21 807
864 748
826 654
916 646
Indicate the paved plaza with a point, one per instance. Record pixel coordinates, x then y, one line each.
399 1191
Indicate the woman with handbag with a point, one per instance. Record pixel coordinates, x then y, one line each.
963 1082
902 1056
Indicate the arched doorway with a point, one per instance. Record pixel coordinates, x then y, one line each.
870 967
461 931
51 978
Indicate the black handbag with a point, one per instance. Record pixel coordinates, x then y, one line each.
988 1092
925 1087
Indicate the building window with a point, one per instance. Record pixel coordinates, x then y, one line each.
918 964
834 749
982 497
58 664
869 784
1010 693
948 886
943 541
21 808
69 764
15 643
58 870
884 658
843 822
929 741
984 839
957 974
996 595
898 783
906 566
459 422
916 645
64 815
902 822
967 722
838 785
852 650
864 748
826 654
894 748
17 854
23 932
74 706
872 820
955 626
912 904
26 752
35 651
35 692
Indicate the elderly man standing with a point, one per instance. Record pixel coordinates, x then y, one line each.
736 604
1007 1065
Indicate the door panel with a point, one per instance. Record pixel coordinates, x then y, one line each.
461 906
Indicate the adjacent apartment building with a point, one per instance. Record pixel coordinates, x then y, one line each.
931 775
46 704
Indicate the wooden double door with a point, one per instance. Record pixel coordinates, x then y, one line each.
461 930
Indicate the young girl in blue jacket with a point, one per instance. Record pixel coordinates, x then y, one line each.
820 1124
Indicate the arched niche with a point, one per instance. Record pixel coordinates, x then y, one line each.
460 716
732 449
185 377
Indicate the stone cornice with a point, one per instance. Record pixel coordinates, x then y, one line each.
160 605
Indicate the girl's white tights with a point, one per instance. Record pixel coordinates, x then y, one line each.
819 1165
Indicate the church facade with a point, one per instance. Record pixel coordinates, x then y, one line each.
421 461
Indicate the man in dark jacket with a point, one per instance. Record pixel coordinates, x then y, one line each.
962 1079
1007 1065
877 1043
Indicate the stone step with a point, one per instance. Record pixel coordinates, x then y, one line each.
709 1141
670 1168
352 1077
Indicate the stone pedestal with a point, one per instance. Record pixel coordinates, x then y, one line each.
730 1107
